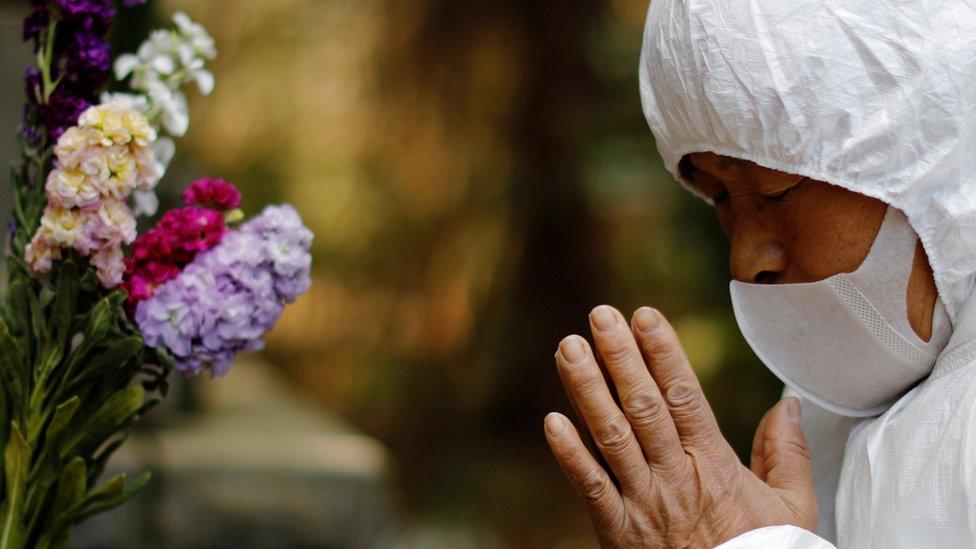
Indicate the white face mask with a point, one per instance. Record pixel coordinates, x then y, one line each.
845 342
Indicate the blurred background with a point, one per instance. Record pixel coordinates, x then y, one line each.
478 175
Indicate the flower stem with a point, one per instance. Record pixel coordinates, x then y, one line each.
44 58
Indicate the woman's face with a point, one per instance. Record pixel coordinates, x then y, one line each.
784 228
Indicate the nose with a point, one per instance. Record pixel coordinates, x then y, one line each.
756 254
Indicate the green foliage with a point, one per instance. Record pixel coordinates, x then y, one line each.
74 375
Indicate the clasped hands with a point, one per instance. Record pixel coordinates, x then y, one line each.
675 480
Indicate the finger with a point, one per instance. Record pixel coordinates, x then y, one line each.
603 502
608 425
584 433
756 464
693 418
786 457
639 396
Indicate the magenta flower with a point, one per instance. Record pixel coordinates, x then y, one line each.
213 193
159 254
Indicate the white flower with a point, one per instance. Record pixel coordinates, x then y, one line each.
203 44
171 106
139 103
157 72
163 150
125 64
144 202
163 64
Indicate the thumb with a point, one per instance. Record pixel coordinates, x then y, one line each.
786 457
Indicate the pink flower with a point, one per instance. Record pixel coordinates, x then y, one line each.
159 254
99 162
111 222
71 189
151 276
109 262
40 255
195 229
212 192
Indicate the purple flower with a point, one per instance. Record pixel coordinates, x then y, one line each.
61 111
231 295
89 53
36 21
90 15
80 64
32 83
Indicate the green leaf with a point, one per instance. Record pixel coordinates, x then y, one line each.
55 539
99 320
99 462
112 488
113 357
72 487
4 432
13 368
89 282
65 299
62 415
16 458
48 466
101 501
159 378
50 358
68 502
12 531
18 305
47 294
97 325
37 318
113 414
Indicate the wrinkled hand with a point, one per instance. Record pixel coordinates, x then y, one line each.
678 482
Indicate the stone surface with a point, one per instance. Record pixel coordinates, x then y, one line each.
258 466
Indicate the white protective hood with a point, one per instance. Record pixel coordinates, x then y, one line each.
877 96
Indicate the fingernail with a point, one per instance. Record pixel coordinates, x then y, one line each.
646 319
555 424
603 318
572 349
793 409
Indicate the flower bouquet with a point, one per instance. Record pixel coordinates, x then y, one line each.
95 316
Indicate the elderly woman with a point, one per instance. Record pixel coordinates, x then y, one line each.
836 141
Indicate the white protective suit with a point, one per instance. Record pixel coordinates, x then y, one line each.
879 97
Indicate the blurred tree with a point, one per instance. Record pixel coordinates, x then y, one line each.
479 175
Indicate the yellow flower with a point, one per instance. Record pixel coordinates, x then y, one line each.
100 161
122 173
113 222
62 227
118 125
148 170
40 255
74 144
71 189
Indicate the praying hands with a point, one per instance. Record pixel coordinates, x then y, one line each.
673 480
